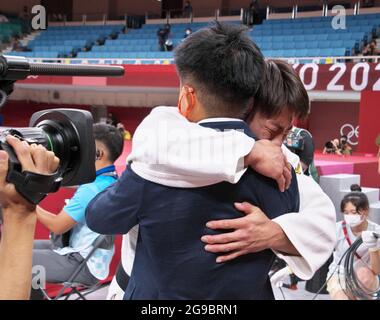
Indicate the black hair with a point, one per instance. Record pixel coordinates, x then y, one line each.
343 140
329 145
358 199
281 89
224 66
111 137
355 187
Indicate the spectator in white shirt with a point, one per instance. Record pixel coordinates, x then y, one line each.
355 207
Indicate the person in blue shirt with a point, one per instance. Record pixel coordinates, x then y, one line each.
220 70
60 263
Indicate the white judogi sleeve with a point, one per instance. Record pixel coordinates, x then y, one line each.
168 149
128 249
311 231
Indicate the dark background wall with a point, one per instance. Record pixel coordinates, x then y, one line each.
18 113
326 119
324 122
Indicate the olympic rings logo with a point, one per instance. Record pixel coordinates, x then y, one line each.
351 132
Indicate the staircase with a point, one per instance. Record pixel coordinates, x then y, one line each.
336 186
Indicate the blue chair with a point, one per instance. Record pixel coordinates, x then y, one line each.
277 53
288 45
301 53
325 44
277 45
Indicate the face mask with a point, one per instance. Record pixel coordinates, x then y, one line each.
353 220
188 32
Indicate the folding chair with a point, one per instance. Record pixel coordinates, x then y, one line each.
101 242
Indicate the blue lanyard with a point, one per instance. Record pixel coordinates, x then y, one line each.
107 171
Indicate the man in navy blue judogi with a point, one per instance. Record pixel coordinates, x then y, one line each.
219 69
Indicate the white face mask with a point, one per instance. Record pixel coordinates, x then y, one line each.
353 220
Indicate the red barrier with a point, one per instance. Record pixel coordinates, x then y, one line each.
340 76
369 121
334 77
135 75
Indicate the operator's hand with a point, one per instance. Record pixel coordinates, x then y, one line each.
370 241
267 158
6 88
252 233
33 158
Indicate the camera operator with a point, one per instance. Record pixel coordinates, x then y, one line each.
345 148
60 263
300 141
19 220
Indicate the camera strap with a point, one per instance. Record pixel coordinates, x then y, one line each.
27 183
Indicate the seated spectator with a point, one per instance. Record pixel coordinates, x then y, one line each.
331 147
124 132
344 147
187 33
100 41
60 263
355 207
371 49
16 45
169 45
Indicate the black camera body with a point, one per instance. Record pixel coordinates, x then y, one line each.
77 153
66 132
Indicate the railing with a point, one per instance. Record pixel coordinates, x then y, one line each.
137 60
208 14
297 11
196 13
